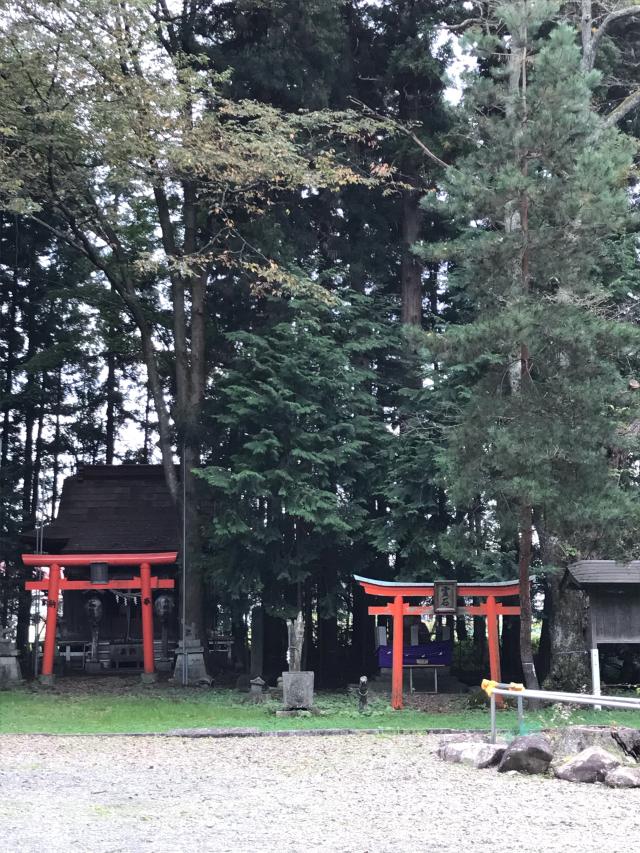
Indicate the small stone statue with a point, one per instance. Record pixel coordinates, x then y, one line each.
93 609
164 605
363 693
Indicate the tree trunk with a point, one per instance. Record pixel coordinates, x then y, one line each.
147 429
411 270
275 647
461 629
328 623
192 593
479 637
586 30
37 460
55 445
543 659
526 649
308 651
110 391
363 647
510 649
567 623
5 403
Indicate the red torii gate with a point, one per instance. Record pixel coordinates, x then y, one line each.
54 583
397 591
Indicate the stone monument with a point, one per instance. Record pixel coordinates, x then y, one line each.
163 607
190 654
297 686
94 610
9 668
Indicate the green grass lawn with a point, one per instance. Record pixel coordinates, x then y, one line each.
159 710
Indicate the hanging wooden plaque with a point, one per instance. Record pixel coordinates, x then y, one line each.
445 597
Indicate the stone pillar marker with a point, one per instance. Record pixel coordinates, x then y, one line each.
9 668
297 686
257 690
194 651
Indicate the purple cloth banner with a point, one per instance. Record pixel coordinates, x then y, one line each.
437 654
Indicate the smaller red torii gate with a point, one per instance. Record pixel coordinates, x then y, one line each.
397 591
55 583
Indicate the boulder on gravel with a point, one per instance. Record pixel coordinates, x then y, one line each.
527 754
472 753
590 765
623 777
628 740
460 737
571 740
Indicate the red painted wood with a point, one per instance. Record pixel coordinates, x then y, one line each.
147 617
410 591
427 610
52 620
122 583
493 641
157 559
396 655
398 609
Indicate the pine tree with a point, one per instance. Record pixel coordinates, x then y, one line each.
534 389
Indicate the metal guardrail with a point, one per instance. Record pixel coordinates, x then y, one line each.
520 693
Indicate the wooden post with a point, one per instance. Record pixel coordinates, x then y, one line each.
397 654
492 636
52 622
147 621
595 675
595 663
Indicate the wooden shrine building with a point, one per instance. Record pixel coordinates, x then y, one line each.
444 596
613 591
108 565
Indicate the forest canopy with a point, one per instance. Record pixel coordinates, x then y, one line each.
361 276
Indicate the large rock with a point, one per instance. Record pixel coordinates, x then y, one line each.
570 740
460 737
527 754
472 753
590 765
628 740
623 777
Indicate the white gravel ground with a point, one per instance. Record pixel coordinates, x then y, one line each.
355 793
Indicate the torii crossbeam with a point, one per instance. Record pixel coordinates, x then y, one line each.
145 582
396 607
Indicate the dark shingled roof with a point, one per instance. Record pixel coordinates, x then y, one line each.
587 572
113 508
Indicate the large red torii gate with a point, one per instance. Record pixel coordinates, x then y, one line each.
397 591
55 582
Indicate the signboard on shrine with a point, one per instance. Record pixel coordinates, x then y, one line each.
445 597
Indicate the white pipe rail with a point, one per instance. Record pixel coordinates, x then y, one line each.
520 692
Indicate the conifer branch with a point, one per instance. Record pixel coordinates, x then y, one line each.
629 103
403 129
611 18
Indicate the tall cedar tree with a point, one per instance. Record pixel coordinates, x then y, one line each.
115 136
535 388
301 442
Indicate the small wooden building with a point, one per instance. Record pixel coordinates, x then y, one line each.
117 510
613 591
